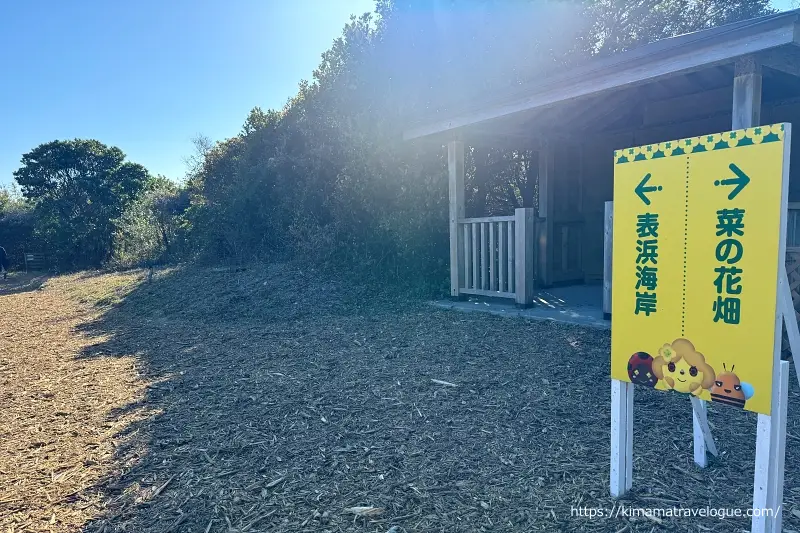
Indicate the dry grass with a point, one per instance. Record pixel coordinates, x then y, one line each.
62 416
268 400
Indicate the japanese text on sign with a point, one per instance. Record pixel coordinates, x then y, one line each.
698 243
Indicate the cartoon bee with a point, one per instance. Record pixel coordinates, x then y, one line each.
682 368
730 390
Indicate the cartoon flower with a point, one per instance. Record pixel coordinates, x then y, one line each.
668 147
733 137
710 141
757 134
666 351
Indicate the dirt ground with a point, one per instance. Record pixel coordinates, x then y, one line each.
272 399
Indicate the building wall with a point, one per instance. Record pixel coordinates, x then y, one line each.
788 113
597 175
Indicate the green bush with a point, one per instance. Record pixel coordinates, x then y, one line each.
151 230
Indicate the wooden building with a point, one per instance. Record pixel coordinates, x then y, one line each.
730 77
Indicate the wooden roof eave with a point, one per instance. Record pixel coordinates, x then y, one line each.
657 60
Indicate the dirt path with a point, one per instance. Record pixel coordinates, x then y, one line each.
267 400
62 414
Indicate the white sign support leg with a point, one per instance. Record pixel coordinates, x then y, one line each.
762 474
779 447
770 458
703 440
790 321
771 431
629 440
621 437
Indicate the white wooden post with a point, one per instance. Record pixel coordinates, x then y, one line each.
608 240
629 439
779 419
761 478
523 255
701 431
492 256
770 458
455 166
621 437
511 256
467 259
771 429
484 258
769 475
502 257
544 223
476 273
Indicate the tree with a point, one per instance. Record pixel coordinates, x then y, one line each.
78 189
16 224
624 24
151 229
194 162
328 177
442 56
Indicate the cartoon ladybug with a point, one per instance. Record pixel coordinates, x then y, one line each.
640 370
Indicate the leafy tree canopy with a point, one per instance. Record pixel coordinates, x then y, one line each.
78 189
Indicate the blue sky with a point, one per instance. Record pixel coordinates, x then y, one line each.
149 75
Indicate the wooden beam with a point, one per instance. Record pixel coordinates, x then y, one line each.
600 76
581 115
506 140
545 218
785 59
747 93
656 115
671 131
682 108
455 166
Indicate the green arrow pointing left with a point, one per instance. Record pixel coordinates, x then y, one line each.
642 189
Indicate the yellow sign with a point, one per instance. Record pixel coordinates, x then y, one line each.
698 245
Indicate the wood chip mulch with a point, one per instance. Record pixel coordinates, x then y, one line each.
275 399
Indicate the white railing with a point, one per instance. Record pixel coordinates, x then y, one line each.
498 256
488 256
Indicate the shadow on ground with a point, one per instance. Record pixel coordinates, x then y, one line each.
279 401
20 282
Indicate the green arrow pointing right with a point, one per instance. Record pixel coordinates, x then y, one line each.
740 181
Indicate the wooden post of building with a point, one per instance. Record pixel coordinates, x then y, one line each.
608 240
544 222
747 93
524 255
455 166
